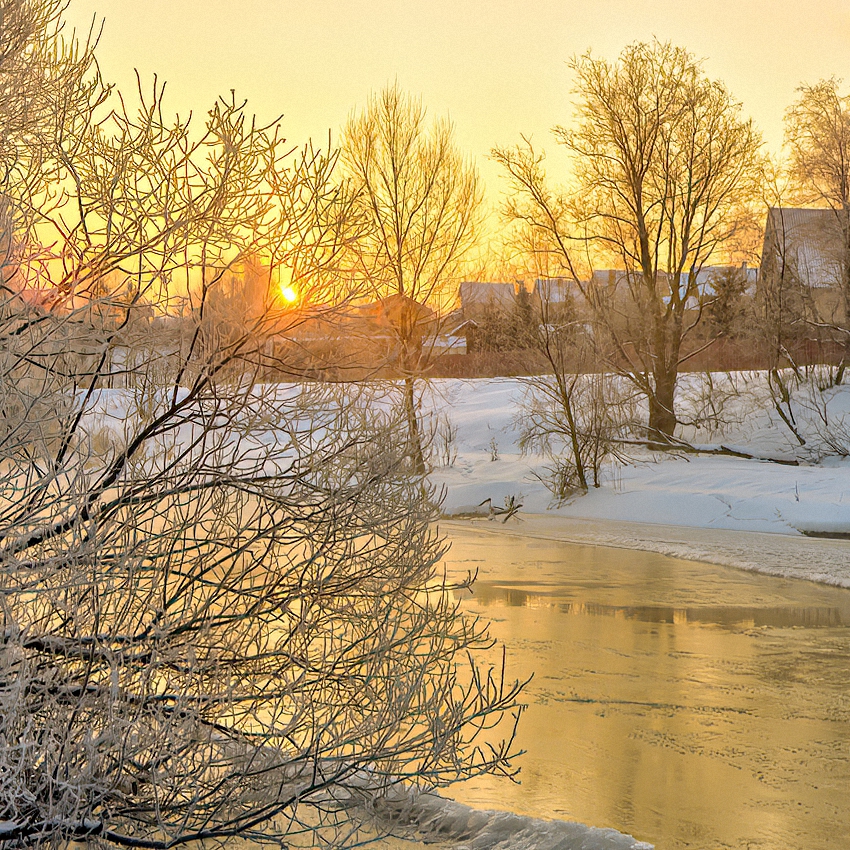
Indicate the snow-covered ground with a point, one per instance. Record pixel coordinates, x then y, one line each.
724 509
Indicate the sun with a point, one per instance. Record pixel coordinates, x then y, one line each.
288 293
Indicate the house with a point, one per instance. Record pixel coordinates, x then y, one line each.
809 239
706 280
709 280
610 278
446 343
392 331
806 250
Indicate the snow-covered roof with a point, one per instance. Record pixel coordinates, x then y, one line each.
555 289
474 293
706 278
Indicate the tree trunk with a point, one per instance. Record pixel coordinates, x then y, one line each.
845 324
417 456
567 406
845 319
662 419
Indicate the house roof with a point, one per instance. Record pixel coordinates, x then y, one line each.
555 289
474 293
811 239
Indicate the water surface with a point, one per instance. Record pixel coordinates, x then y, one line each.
691 705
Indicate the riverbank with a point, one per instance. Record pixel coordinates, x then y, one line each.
747 512
444 824
812 559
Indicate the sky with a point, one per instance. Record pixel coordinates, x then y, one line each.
497 68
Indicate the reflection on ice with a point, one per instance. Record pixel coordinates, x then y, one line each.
690 705
789 616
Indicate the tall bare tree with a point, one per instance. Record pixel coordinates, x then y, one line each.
419 201
818 135
661 159
221 614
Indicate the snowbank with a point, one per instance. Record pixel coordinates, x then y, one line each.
826 561
461 827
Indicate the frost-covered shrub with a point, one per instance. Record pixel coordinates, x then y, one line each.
818 414
442 441
578 423
796 413
711 404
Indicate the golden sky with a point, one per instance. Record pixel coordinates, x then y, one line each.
496 67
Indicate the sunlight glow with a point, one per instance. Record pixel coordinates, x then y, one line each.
288 293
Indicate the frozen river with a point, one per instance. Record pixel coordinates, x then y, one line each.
691 705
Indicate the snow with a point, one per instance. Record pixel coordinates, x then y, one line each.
755 514
461 827
743 512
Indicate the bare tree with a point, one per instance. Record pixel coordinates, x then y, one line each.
580 420
574 413
662 161
818 135
419 201
221 614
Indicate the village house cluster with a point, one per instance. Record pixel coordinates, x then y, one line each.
793 305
